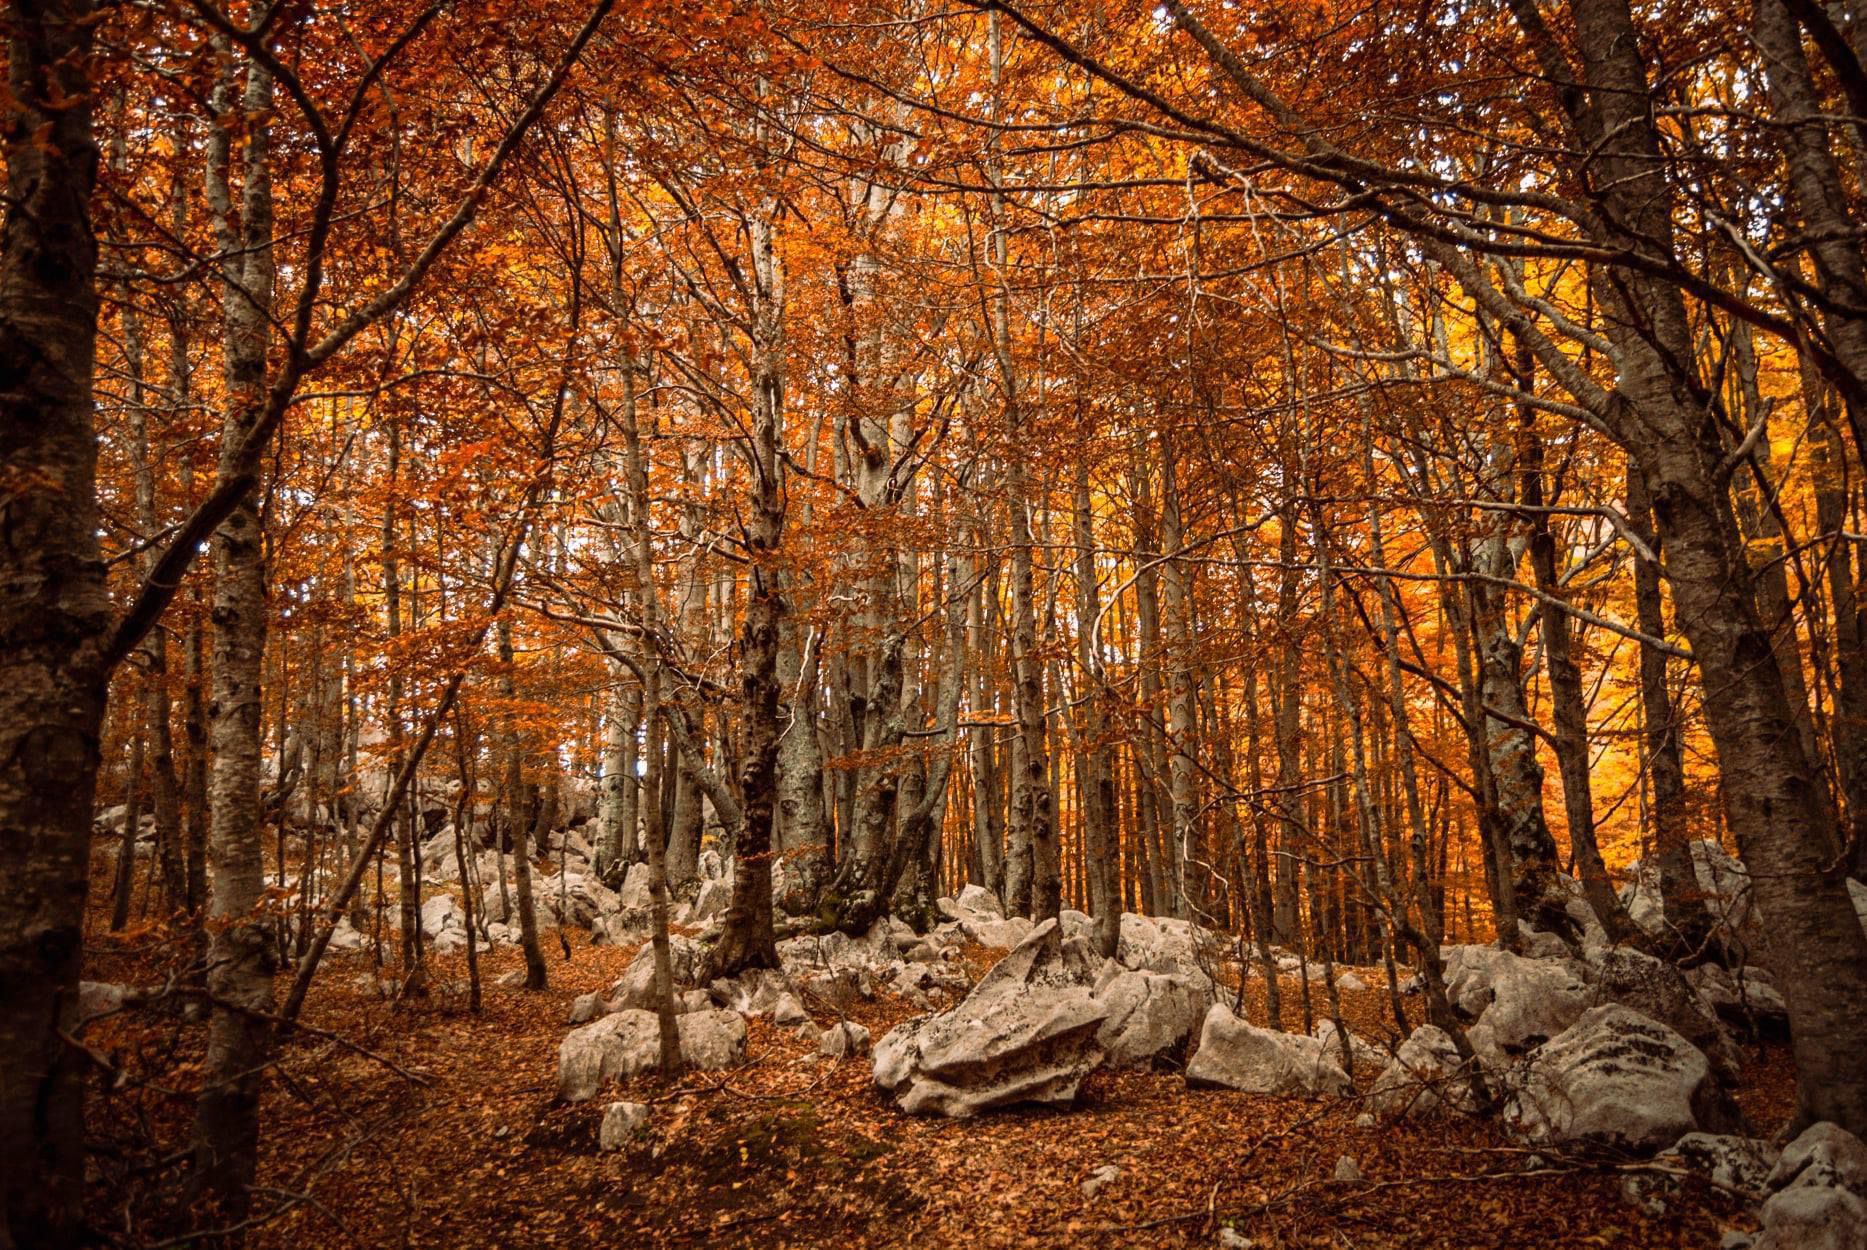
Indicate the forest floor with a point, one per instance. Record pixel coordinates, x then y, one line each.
420 1124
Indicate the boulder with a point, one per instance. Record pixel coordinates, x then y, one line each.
1658 990
1538 944
1825 1155
844 1040
1723 882
1745 998
344 936
1163 944
1616 1078
1361 1056
1351 983
1523 1002
440 912
627 1042
1739 1164
716 894
1150 1015
788 1012
973 900
634 895
1233 1054
754 992
1100 1179
623 1122
579 900
836 951
1424 1078
1813 1218
1026 1033
1819 1198
1000 934
636 987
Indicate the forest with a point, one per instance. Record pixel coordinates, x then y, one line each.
951 624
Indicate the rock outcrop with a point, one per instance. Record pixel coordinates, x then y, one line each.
620 1045
1425 1077
1616 1078
1234 1054
1025 1034
1150 1015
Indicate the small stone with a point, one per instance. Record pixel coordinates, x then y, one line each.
1232 1239
1098 1178
512 980
1735 1239
1364 1120
622 1121
788 1012
1639 1194
501 1133
1347 1171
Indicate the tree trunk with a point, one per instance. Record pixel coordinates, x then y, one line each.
53 612
518 820
1774 799
1100 862
241 956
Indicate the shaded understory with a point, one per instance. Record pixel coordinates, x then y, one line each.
465 1145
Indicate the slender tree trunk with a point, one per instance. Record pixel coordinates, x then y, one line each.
747 940
241 957
1100 861
518 820
1569 706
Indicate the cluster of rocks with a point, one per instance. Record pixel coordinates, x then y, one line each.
618 1031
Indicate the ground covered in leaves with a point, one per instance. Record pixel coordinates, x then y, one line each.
422 1124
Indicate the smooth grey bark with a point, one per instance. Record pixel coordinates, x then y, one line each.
804 832
1100 826
1287 703
1662 755
518 818
747 940
241 956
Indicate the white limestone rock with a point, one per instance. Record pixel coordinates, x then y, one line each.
1523 1001
623 1122
1739 1164
844 1040
1026 1033
1425 1077
1150 1015
1234 1054
636 987
627 1042
1616 1078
